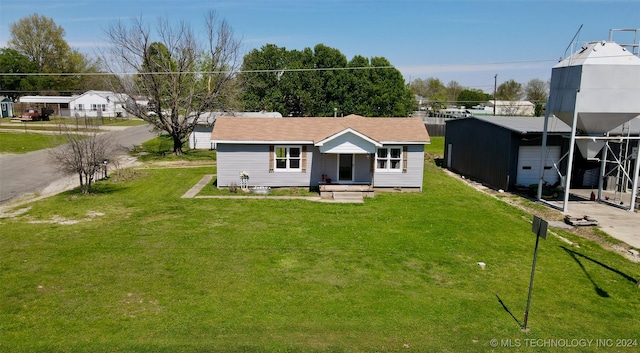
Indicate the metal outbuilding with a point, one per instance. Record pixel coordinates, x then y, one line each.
503 152
6 107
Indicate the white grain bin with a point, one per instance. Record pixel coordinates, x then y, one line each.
601 82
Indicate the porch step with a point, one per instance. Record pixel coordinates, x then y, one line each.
348 197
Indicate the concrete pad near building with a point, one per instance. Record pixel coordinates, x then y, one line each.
618 222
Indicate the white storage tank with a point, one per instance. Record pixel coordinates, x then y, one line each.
601 82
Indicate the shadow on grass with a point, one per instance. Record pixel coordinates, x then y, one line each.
601 292
97 188
509 311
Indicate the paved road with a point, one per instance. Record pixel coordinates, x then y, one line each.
32 172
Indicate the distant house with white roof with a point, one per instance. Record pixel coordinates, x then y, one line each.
99 104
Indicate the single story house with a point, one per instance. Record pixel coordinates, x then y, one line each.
200 138
6 107
310 152
505 152
99 104
510 108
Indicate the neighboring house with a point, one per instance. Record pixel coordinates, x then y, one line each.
504 152
200 138
310 152
99 104
6 107
511 108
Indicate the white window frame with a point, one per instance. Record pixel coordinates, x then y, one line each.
388 159
98 107
287 159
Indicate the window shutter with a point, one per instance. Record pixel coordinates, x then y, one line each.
372 162
304 159
271 157
405 152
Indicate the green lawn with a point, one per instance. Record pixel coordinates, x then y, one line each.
21 142
143 270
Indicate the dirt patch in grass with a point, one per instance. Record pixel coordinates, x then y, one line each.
55 219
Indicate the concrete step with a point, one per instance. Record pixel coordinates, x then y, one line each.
347 196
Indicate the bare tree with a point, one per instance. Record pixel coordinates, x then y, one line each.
453 90
537 92
85 155
181 76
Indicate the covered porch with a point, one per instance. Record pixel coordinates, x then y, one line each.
347 162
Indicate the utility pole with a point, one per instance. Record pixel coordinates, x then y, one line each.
495 89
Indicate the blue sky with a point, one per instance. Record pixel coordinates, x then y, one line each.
466 41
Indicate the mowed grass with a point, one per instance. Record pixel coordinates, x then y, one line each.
23 139
144 270
21 142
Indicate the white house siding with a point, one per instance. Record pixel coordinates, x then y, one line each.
411 179
362 173
200 138
349 143
113 107
254 159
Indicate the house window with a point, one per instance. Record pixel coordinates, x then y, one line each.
80 107
287 158
389 158
96 107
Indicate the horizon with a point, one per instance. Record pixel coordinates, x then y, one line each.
468 41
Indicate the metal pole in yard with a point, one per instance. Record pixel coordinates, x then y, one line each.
540 228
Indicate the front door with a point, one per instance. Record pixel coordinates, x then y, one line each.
345 167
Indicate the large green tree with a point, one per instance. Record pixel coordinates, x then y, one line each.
42 43
433 89
472 96
41 40
321 82
510 91
181 74
12 63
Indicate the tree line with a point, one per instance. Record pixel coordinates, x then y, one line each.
440 95
183 75
37 45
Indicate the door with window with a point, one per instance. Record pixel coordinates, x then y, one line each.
345 167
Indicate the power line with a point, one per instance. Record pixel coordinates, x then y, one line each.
192 72
228 72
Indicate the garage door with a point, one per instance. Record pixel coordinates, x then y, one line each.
529 165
